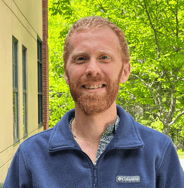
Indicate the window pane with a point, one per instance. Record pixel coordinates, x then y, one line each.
24 80
16 77
13 75
15 62
38 49
15 115
14 108
39 109
24 114
24 50
40 77
15 88
39 64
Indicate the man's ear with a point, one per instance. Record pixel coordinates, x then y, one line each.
125 73
66 79
66 75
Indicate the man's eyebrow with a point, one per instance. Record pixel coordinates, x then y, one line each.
74 54
106 52
100 52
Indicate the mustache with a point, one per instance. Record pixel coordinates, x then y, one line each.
92 79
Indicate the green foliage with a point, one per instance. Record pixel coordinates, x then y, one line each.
1 185
157 125
154 93
60 100
181 153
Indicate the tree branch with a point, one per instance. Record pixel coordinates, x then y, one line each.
172 106
151 91
173 100
155 32
172 122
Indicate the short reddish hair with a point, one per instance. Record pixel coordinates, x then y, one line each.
95 22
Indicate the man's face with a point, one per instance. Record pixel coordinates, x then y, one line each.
94 69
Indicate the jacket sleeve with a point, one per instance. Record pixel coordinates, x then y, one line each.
170 173
18 175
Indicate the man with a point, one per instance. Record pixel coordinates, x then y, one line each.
97 144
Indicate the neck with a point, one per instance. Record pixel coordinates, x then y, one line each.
91 127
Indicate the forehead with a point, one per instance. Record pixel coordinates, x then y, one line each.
93 39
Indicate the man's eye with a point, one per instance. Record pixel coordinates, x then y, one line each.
81 58
104 57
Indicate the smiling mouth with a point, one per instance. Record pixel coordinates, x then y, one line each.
93 86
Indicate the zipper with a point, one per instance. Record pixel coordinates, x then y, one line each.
95 176
92 166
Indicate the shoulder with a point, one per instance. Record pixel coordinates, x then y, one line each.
156 144
150 135
132 130
40 139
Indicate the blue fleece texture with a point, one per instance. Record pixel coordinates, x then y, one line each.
137 157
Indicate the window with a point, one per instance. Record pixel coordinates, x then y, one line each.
15 89
40 101
24 80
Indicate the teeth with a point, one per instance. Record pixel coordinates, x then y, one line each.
94 86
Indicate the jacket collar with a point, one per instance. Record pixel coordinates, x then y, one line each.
126 137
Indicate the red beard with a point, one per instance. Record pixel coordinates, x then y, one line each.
94 103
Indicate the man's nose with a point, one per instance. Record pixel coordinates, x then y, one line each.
93 68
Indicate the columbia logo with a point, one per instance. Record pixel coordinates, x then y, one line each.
127 179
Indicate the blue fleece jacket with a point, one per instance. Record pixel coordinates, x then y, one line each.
137 157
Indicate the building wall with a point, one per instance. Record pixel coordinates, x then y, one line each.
23 20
